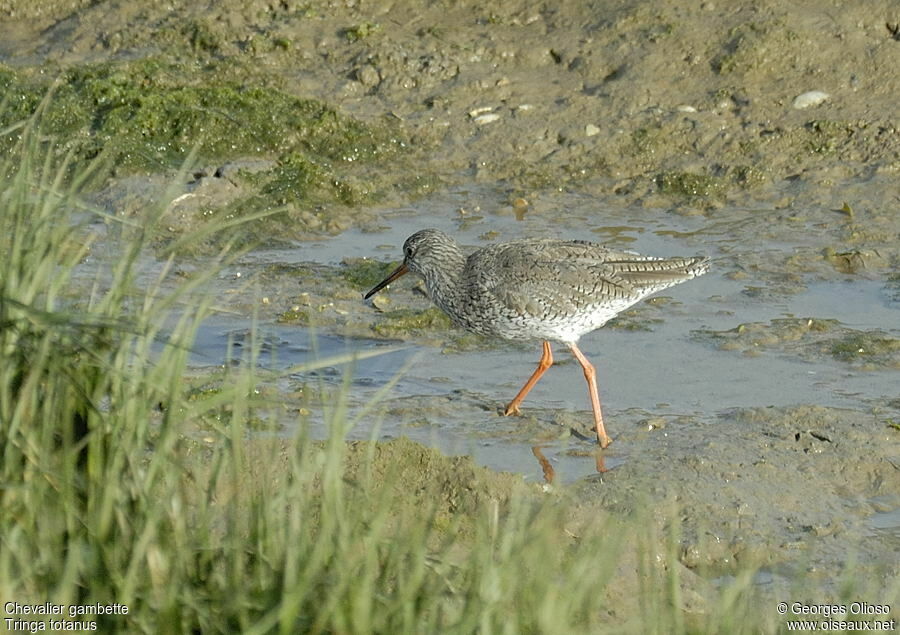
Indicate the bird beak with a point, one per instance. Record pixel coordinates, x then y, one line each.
396 273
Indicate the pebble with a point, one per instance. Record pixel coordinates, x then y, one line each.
809 98
590 130
368 76
488 118
481 109
381 301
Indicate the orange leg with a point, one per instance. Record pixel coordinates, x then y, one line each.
590 374
545 363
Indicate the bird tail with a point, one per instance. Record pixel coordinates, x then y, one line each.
661 270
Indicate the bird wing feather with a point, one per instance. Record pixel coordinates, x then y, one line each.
543 278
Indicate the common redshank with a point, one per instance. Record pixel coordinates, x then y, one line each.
538 289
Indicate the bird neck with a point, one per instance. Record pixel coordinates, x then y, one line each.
443 282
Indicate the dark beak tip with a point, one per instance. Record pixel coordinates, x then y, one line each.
399 271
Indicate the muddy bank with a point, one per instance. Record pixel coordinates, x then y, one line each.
797 491
696 106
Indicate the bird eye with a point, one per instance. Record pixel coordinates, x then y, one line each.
408 252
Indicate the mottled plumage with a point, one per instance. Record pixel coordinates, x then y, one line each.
542 289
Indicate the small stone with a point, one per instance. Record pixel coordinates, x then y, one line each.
810 98
590 130
488 118
481 109
368 76
381 302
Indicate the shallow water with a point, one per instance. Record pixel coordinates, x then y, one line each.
664 372
646 378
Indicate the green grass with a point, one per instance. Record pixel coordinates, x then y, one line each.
120 484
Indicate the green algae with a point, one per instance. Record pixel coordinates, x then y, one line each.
633 320
826 137
749 176
292 316
689 185
810 339
871 347
753 336
297 178
405 322
434 325
692 185
854 261
365 273
151 116
361 31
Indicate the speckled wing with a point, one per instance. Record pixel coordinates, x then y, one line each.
555 279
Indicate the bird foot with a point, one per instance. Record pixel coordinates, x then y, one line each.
512 409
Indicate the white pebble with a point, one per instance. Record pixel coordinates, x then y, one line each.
590 130
481 109
685 108
488 118
810 98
